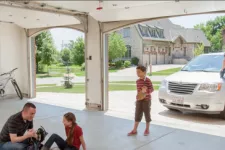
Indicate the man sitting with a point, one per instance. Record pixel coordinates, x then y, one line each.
13 134
222 72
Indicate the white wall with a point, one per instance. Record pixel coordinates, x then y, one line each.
13 54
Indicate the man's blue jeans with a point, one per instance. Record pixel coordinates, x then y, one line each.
14 146
222 73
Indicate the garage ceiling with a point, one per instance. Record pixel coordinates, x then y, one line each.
58 13
34 19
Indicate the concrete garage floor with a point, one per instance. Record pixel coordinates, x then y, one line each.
104 132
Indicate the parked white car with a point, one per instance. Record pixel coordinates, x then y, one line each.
197 87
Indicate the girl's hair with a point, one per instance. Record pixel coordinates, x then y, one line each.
70 117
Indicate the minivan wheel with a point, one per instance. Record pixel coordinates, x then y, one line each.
222 114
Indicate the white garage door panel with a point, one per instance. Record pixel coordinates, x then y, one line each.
160 59
153 59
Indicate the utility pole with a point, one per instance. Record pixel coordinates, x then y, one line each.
62 45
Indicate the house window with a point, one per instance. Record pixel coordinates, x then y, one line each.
154 33
185 51
126 32
128 52
162 34
144 31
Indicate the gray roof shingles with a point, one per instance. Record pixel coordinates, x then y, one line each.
172 31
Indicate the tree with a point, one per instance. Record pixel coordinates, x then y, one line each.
66 55
45 49
77 48
57 57
213 31
199 50
117 46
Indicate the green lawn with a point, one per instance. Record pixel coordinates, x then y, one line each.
59 71
80 88
166 72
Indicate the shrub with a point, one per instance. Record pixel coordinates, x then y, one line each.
82 67
112 64
60 65
127 64
119 64
123 67
135 61
41 67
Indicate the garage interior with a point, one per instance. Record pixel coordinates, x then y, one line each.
20 21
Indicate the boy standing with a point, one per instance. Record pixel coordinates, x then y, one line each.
143 103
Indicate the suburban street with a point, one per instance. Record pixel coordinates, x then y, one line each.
122 75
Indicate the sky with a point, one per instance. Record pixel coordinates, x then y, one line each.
64 35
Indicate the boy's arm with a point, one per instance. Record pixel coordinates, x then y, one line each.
150 86
138 87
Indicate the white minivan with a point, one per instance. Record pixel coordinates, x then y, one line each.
196 87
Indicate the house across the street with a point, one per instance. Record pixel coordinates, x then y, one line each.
162 42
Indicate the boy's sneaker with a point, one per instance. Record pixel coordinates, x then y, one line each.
132 133
146 133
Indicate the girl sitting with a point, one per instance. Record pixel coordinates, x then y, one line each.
74 135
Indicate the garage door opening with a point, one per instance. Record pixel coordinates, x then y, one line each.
162 44
60 67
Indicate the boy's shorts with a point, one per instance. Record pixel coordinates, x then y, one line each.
143 106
